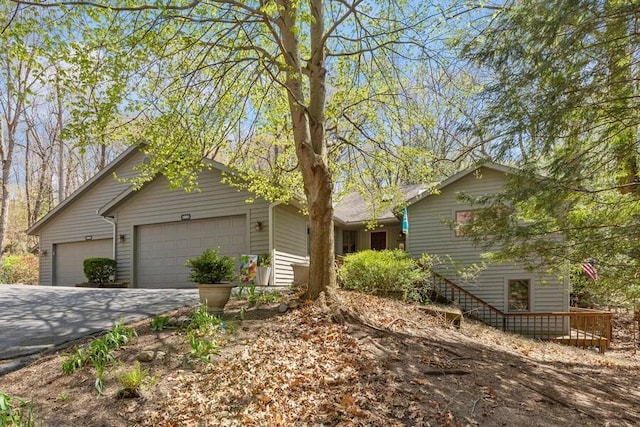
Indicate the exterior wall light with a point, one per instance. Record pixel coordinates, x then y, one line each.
258 226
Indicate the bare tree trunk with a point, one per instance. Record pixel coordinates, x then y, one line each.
7 161
4 208
102 160
61 182
309 136
38 171
27 175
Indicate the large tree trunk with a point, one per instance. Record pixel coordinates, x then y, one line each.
7 161
322 275
309 135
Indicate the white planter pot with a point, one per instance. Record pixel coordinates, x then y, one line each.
263 276
215 296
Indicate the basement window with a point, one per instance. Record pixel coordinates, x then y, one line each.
518 295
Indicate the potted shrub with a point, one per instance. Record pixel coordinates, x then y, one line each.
263 276
213 275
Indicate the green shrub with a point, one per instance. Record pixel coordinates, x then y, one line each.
388 272
210 267
19 269
131 381
100 270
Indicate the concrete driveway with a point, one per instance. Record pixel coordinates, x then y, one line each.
36 319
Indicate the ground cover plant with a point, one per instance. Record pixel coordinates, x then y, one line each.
15 412
99 353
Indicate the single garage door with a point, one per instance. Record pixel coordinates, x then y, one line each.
163 249
69 257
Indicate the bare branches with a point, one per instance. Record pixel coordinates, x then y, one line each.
108 6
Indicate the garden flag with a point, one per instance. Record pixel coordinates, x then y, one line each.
405 221
590 269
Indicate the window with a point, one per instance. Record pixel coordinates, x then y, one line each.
463 218
349 238
518 295
379 240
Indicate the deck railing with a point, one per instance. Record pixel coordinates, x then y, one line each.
578 327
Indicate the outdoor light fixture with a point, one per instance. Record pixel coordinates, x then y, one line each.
43 253
88 237
121 238
185 217
258 226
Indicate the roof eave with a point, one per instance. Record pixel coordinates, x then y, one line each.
33 230
488 164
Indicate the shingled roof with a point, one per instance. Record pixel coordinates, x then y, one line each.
353 208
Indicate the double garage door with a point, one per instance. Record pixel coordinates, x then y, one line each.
163 249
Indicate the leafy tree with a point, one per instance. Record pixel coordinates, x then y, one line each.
562 99
202 79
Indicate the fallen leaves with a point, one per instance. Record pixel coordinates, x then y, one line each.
301 368
389 364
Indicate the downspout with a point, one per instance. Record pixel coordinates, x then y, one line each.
272 250
112 221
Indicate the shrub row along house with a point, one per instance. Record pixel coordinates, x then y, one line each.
151 232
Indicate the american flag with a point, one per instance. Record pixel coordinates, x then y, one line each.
589 269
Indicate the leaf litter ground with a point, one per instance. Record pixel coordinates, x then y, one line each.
389 364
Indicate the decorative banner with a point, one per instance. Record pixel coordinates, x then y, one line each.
405 221
248 268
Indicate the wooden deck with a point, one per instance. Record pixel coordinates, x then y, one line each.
582 339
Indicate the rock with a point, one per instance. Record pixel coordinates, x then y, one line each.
294 303
161 355
146 356
178 322
282 308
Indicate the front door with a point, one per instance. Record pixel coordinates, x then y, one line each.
379 240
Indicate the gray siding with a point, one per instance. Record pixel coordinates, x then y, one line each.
429 233
155 203
79 218
290 242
